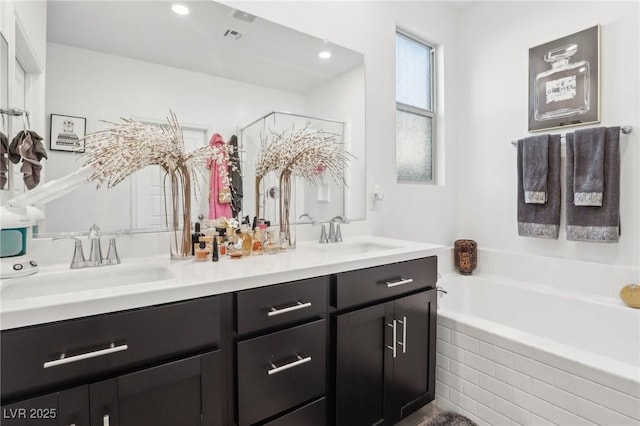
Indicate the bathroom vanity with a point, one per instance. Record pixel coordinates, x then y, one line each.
318 336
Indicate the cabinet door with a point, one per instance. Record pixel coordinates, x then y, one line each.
69 407
185 392
413 372
363 366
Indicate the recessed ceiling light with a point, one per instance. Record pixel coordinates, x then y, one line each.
324 54
180 9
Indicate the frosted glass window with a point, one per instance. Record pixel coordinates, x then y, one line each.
413 73
414 146
415 110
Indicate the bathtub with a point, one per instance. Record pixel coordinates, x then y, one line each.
523 353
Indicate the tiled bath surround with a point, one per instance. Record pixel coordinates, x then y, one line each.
497 376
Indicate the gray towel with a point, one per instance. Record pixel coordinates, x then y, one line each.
588 173
534 168
596 223
541 220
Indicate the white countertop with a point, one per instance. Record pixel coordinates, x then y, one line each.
90 291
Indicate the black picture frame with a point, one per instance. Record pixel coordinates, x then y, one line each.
564 81
66 133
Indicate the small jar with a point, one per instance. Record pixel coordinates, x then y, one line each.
201 252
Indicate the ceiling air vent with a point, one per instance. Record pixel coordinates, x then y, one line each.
234 34
243 16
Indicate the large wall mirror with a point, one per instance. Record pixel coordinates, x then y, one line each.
219 69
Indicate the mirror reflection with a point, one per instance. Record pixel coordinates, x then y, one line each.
220 70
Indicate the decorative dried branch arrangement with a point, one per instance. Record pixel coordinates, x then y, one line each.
306 153
126 147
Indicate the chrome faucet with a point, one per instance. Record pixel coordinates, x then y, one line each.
95 255
335 235
308 216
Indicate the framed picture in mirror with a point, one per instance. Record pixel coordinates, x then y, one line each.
66 133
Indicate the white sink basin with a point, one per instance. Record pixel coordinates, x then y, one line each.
354 247
71 281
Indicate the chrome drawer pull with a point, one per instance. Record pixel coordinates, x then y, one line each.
393 339
298 305
401 281
63 360
403 321
105 420
300 361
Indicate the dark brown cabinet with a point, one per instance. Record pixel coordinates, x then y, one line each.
385 352
347 349
184 392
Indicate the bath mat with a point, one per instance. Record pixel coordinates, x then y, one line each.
448 418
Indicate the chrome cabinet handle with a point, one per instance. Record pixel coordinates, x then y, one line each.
403 321
299 305
64 360
393 326
274 369
105 420
401 281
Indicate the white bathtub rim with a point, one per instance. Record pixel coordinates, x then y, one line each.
540 288
626 377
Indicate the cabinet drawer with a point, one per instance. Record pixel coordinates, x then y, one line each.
280 304
381 282
313 414
280 370
40 357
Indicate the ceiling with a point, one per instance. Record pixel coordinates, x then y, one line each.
266 54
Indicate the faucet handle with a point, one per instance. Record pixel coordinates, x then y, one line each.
323 234
112 253
78 260
338 235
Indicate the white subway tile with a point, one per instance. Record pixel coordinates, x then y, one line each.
622 384
494 353
444 404
492 417
548 411
442 389
602 395
451 380
463 401
464 371
513 346
495 386
512 411
478 333
601 415
533 368
450 351
479 363
442 361
514 378
482 396
464 341
555 396
449 323
443 333
539 421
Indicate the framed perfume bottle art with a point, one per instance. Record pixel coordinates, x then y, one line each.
564 81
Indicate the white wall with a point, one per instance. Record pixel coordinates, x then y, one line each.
414 212
495 38
341 99
98 86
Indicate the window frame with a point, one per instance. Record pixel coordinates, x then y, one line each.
431 112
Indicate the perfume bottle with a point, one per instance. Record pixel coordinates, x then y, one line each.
563 90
